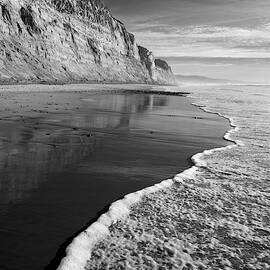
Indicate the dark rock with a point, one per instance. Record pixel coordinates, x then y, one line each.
28 19
162 64
5 13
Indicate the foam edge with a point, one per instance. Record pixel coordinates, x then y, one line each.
79 251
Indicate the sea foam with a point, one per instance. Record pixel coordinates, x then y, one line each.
79 251
215 182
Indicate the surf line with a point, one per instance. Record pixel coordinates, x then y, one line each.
79 251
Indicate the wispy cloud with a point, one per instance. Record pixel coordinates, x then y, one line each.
231 28
207 40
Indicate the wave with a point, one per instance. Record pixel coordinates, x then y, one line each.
79 251
203 80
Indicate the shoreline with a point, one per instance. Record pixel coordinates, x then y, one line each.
216 219
79 251
152 128
106 88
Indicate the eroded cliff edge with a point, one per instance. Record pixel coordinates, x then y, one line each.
61 41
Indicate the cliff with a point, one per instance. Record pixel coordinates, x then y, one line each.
159 70
71 40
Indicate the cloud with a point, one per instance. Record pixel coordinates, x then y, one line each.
231 28
207 40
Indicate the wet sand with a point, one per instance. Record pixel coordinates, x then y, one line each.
66 155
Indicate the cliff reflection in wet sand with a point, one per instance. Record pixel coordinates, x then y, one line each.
66 156
32 146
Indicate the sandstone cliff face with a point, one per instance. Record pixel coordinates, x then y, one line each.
164 72
159 70
68 41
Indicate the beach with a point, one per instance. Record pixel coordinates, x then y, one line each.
69 151
134 135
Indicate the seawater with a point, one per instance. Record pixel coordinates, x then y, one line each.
213 216
67 152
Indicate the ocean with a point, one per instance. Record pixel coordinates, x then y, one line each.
68 151
215 215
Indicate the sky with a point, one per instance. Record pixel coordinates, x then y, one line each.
188 32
